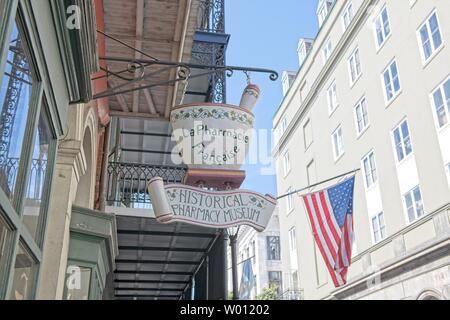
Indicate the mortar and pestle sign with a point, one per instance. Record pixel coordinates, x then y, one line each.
213 139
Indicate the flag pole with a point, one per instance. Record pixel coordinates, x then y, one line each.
317 184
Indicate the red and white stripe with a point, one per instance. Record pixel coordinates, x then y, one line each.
334 243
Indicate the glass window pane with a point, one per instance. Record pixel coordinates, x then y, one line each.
398 145
394 74
440 109
367 172
15 93
418 202
25 271
373 167
410 207
406 138
79 284
5 247
387 28
379 31
273 246
37 179
388 85
434 27
447 94
382 225
376 234
425 38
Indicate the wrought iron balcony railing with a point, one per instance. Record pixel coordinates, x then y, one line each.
127 182
291 295
211 17
9 168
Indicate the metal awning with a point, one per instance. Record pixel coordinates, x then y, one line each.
157 261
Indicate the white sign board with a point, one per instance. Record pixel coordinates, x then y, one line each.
214 209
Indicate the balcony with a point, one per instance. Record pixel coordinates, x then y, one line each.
127 182
209 48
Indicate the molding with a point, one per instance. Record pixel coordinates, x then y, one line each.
70 153
100 225
78 48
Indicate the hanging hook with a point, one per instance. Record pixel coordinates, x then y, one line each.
247 75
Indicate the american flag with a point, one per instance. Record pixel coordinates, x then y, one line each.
330 213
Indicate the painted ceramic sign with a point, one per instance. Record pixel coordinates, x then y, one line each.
214 209
212 135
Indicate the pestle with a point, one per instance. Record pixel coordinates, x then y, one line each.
250 97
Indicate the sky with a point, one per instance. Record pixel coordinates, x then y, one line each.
265 34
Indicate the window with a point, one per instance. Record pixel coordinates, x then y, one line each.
38 177
273 248
332 97
27 153
354 66
429 36
414 204
290 201
292 240
275 280
361 116
327 50
338 143
391 81
378 227
15 94
323 10
382 27
402 141
370 170
307 134
287 163
441 100
24 279
347 16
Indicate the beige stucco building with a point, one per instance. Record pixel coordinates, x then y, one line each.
372 92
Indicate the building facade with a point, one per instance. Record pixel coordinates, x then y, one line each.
263 249
372 93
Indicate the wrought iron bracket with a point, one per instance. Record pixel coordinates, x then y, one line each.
183 73
137 68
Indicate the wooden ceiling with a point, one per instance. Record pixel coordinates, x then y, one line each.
162 29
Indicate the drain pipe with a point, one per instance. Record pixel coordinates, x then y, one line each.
104 172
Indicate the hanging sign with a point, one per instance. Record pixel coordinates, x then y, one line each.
212 135
214 209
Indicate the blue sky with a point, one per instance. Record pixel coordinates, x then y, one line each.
265 34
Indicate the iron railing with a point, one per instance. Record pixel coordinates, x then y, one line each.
209 47
9 168
291 295
211 17
128 182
